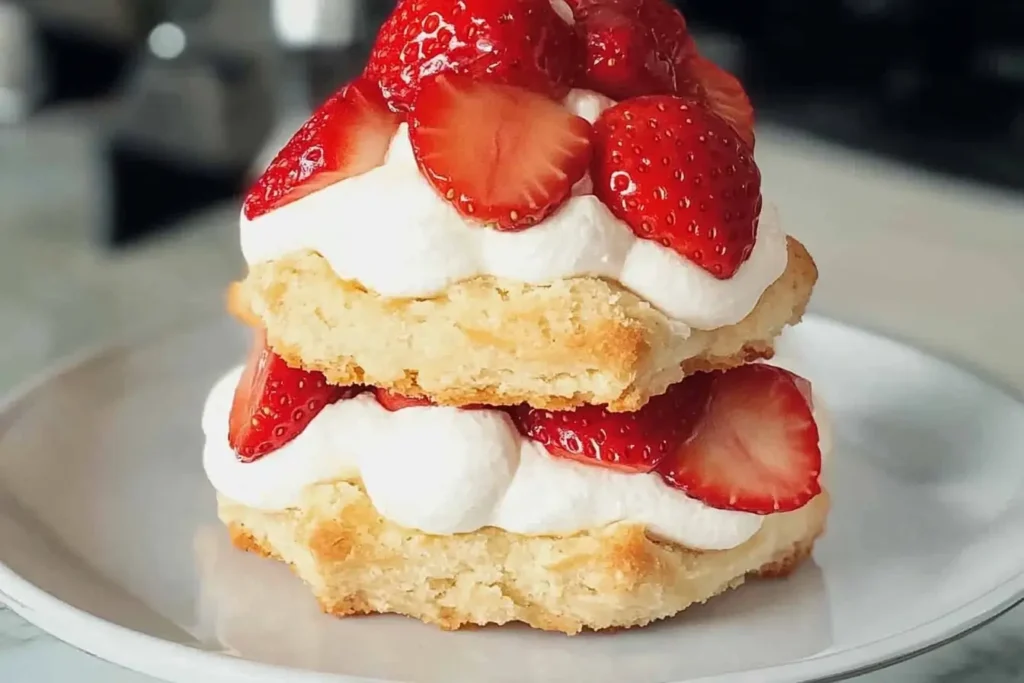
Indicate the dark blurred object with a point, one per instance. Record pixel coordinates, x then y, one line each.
189 120
194 115
79 65
936 82
86 44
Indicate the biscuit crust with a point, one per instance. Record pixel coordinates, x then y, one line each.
356 562
498 342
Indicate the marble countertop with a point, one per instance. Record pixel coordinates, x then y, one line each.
930 260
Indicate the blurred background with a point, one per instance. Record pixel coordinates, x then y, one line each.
890 134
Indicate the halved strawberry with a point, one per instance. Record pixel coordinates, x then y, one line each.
627 442
347 136
632 47
274 402
702 79
517 42
677 174
501 155
392 401
756 448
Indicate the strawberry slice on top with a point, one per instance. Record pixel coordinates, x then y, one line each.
627 442
274 402
501 155
756 447
517 42
347 136
677 174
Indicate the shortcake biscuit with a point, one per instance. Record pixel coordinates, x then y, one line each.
496 342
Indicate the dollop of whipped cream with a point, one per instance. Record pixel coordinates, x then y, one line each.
446 471
389 230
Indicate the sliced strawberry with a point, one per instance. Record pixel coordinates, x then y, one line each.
756 448
501 155
702 79
347 136
518 42
274 402
677 174
632 47
393 401
804 386
627 442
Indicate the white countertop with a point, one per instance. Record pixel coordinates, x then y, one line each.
932 261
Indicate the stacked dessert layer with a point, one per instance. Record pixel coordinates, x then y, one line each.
508 289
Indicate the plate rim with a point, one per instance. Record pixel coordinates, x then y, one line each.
160 658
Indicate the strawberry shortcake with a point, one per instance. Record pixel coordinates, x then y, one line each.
513 291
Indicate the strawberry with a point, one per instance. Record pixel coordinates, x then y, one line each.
632 47
627 442
393 401
677 173
518 42
501 155
756 448
702 79
619 56
274 402
804 386
347 136
673 44
643 47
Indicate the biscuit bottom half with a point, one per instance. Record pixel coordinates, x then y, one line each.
615 577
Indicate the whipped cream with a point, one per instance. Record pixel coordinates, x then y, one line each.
445 471
390 231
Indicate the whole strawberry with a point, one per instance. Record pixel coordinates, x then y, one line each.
678 174
516 42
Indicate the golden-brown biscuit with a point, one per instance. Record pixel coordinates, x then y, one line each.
498 342
358 563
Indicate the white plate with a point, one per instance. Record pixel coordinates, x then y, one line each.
109 540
